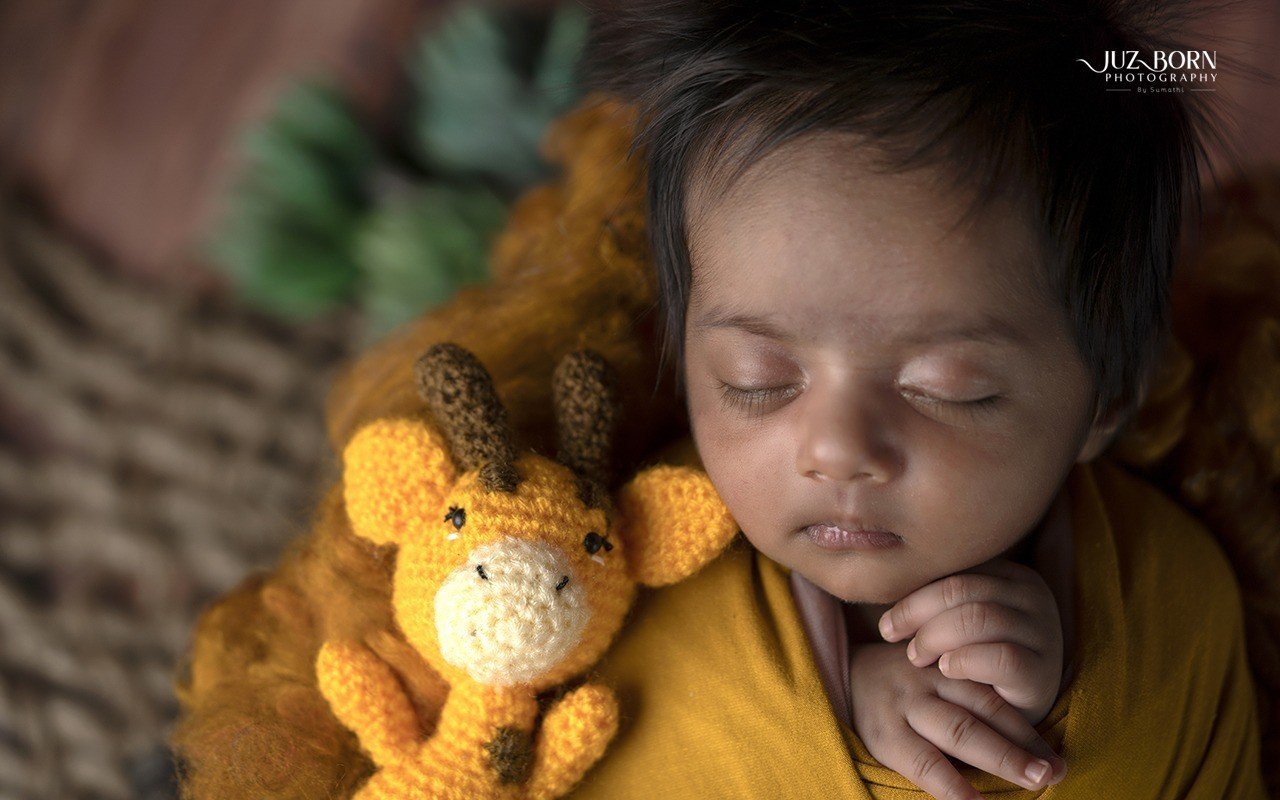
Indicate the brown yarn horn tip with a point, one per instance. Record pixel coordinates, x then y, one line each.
584 387
461 396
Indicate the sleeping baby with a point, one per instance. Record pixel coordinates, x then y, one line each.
913 264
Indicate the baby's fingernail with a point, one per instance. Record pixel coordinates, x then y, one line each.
944 661
1059 767
911 650
1037 770
886 625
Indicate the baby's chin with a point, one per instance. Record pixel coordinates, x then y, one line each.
859 579
862 593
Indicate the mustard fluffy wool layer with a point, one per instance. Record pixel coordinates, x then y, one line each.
571 269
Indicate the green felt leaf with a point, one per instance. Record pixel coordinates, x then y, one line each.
317 218
475 113
318 118
286 238
556 77
293 276
414 254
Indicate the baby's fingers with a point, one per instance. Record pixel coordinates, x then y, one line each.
956 731
920 762
911 612
1007 667
972 623
1004 719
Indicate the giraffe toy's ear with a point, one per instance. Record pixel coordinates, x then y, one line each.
674 522
396 474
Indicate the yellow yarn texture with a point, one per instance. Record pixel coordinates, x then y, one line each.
513 574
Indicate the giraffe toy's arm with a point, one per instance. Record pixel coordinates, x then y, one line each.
366 696
573 736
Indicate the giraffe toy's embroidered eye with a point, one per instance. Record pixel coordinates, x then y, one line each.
457 516
594 541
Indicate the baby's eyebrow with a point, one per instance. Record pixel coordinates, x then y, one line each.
751 323
988 328
994 330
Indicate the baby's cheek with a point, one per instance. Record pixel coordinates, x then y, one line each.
746 464
955 474
967 517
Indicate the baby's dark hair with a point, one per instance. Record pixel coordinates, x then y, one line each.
993 90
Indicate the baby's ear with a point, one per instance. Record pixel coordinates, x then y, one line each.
674 522
396 474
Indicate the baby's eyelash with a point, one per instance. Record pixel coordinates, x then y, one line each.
751 400
971 408
977 407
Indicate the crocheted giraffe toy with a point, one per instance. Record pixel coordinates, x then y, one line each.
513 575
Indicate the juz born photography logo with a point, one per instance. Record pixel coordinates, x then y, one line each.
1156 71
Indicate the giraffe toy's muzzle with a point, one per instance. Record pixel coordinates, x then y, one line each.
511 612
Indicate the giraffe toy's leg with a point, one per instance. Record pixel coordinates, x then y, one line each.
574 735
428 782
366 696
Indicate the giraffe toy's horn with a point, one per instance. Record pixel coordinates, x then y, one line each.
584 386
460 394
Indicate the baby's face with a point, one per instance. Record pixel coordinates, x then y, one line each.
852 359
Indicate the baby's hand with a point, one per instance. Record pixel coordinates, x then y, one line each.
997 624
909 717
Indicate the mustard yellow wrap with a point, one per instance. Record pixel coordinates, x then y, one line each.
721 698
